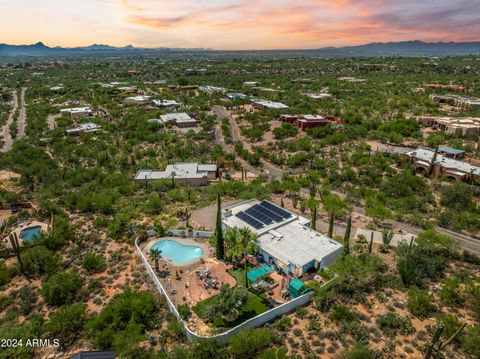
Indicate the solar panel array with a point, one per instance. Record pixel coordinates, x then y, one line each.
263 214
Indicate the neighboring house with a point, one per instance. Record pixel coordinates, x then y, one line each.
78 112
179 119
86 127
317 96
450 168
268 104
451 87
185 173
212 89
308 121
461 102
236 96
252 83
128 89
463 126
56 88
137 100
285 239
451 152
168 104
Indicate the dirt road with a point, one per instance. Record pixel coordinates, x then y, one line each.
21 122
7 138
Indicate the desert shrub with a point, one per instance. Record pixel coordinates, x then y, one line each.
342 313
62 288
358 351
249 342
451 292
39 260
391 323
125 314
450 324
67 323
471 342
93 263
420 303
184 311
6 273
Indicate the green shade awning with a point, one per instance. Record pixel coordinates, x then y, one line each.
257 273
297 284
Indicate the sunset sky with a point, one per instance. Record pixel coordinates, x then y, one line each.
236 24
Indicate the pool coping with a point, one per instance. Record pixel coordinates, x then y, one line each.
149 245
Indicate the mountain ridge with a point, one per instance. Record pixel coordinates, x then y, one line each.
392 48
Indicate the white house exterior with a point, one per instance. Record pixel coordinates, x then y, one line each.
284 238
186 173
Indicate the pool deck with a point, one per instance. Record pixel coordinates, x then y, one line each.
180 280
20 228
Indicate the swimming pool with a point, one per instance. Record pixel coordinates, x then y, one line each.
29 233
177 252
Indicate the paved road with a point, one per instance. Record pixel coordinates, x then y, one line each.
21 122
7 138
465 242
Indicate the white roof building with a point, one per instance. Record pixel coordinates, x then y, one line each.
212 89
77 111
166 103
268 104
317 96
284 238
85 127
192 173
180 119
137 100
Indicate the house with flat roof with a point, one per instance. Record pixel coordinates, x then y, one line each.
86 127
137 100
212 89
449 167
236 96
168 104
451 152
77 112
179 119
308 121
285 239
460 102
317 96
268 104
185 173
463 126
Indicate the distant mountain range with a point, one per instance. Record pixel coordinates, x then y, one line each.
404 48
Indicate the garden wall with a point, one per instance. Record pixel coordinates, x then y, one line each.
222 337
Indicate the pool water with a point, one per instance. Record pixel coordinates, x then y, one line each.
30 233
177 252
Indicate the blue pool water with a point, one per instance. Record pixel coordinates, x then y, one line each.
29 233
177 252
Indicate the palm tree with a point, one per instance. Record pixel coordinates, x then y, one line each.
156 255
247 239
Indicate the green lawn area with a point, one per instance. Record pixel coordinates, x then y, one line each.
255 304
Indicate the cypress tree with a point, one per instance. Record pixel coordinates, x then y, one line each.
220 251
281 203
370 244
432 164
346 240
330 225
314 217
